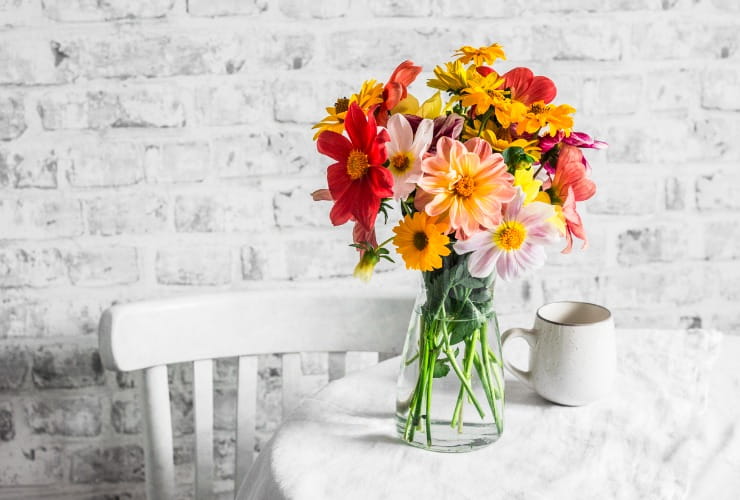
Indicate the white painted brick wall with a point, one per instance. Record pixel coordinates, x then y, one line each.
159 147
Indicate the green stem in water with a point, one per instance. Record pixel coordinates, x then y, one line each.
464 381
430 381
467 368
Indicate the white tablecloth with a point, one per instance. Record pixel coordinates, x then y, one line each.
651 438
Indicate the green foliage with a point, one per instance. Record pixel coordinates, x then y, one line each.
515 158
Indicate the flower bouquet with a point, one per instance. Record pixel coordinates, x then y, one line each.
486 172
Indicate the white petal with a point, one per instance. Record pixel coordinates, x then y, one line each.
400 132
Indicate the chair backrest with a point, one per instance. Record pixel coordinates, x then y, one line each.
150 335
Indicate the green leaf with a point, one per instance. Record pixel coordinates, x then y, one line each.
470 283
441 369
462 331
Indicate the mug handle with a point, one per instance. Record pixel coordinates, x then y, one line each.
530 337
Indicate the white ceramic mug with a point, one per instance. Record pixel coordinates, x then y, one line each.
572 353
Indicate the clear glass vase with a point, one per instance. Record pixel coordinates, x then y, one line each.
450 388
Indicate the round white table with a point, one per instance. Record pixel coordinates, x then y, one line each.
668 430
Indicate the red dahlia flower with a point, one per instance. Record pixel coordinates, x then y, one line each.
358 181
527 88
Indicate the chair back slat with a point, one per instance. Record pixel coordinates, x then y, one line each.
291 377
203 410
246 417
337 365
155 397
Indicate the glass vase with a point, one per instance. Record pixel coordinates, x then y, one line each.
450 388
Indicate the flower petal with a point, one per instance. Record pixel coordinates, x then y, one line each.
334 145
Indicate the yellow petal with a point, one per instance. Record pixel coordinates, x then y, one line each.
432 107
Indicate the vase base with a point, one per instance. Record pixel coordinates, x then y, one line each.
446 439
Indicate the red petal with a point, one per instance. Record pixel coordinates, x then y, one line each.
341 212
518 79
355 123
541 89
393 93
334 145
321 195
484 70
405 73
366 203
380 181
361 234
338 180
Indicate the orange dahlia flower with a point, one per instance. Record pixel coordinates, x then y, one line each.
467 183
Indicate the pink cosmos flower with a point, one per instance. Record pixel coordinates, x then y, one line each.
405 151
516 245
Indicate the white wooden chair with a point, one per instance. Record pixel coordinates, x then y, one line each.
152 334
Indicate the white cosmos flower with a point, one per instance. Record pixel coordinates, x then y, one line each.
405 152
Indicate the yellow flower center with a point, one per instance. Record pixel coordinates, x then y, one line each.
341 105
510 235
400 162
356 164
465 186
421 240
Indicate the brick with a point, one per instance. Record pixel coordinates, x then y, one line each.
127 53
264 153
146 106
656 143
224 454
29 218
8 163
305 101
131 213
329 9
21 318
722 239
224 415
13 367
59 366
177 162
726 5
12 116
653 244
213 8
76 417
241 211
580 6
395 8
182 411
31 267
194 266
126 417
34 170
642 197
615 95
31 465
84 10
103 266
253 263
285 50
714 191
296 208
556 286
26 60
674 40
656 285
232 103
716 134
718 89
78 315
113 464
672 89
105 164
306 256
675 194
19 12
7 425
578 41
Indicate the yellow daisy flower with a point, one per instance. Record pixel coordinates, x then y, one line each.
484 93
453 77
539 114
481 55
421 242
370 94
